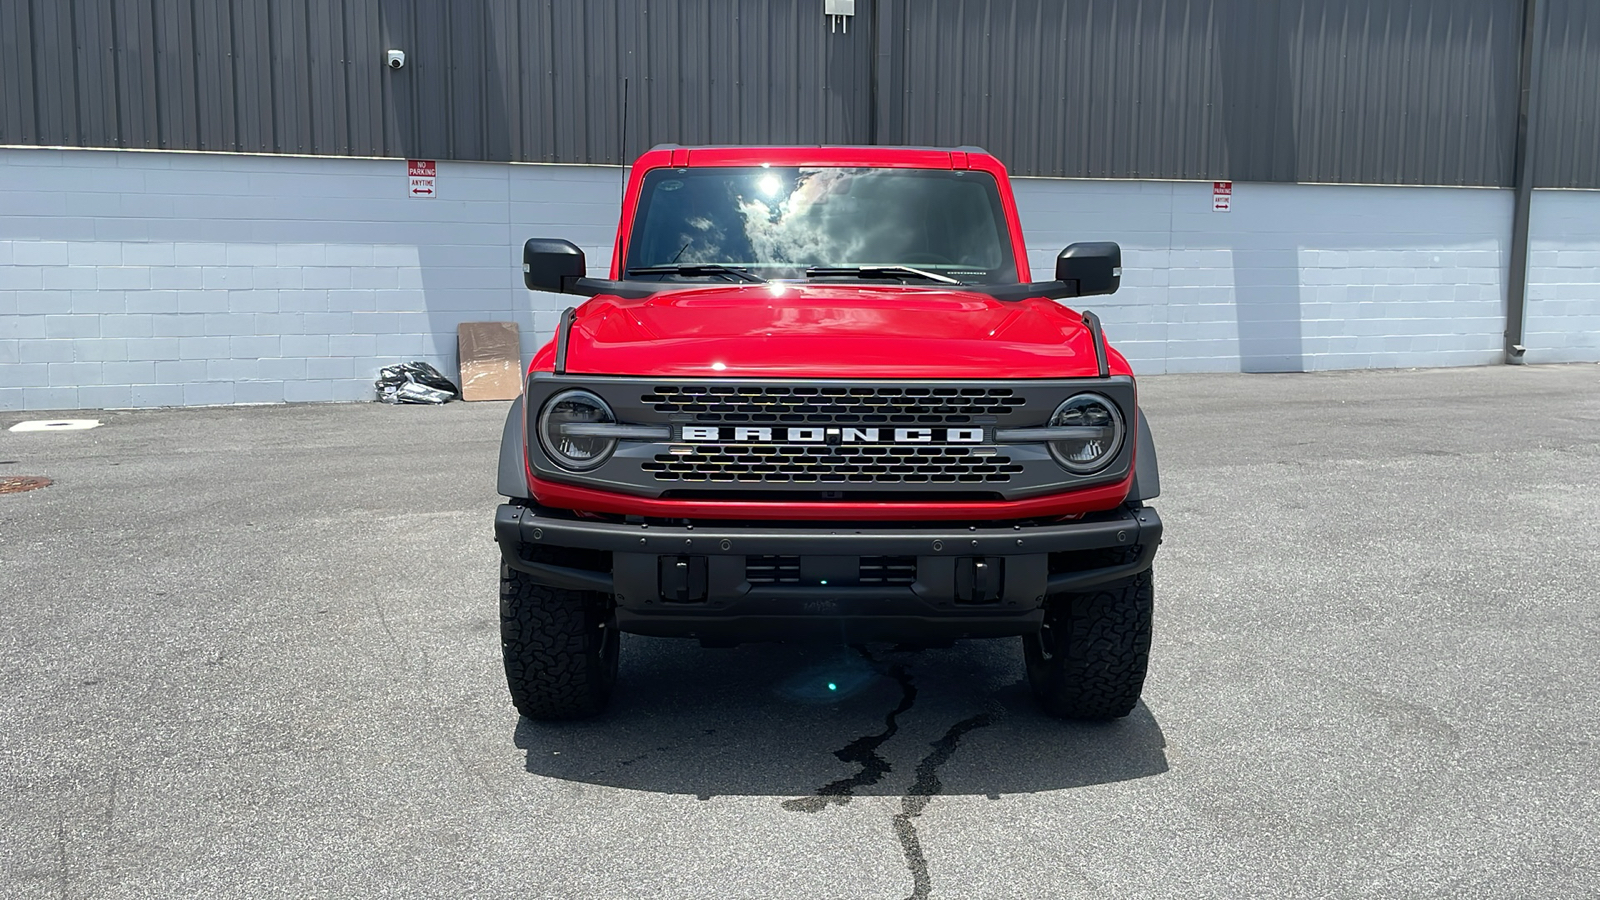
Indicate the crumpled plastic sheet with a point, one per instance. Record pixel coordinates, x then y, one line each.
414 382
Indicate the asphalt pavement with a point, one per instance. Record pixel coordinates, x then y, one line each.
252 652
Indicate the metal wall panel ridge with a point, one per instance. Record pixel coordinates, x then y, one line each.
1566 116
18 113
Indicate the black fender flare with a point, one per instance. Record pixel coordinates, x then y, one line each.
513 480
1146 474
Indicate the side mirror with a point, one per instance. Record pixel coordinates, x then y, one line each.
549 264
1095 266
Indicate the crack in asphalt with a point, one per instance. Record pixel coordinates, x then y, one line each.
864 751
924 788
63 876
925 784
626 762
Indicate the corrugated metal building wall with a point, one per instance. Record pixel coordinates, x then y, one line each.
1566 123
1368 91
520 80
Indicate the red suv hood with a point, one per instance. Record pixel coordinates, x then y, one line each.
828 331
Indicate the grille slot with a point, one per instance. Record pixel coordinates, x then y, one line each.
772 569
888 569
832 405
821 464
875 570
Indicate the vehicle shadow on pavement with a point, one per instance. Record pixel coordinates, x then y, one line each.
824 723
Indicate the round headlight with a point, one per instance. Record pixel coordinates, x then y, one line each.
1101 435
575 451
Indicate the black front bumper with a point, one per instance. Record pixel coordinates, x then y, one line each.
695 581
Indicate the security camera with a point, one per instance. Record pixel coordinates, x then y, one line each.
396 59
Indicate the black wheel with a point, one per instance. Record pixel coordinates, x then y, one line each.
560 648
1088 661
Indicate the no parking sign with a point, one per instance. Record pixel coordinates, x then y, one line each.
423 175
1221 196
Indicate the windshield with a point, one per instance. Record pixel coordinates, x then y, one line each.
778 222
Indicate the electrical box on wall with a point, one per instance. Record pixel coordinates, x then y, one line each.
839 13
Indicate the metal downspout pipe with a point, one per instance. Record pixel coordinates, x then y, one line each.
1517 281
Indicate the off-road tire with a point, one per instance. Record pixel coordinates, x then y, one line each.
1089 660
560 648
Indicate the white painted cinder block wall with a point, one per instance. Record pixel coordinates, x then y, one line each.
152 279
157 279
1293 278
1563 315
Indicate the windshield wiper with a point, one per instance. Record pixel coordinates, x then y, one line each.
698 269
879 272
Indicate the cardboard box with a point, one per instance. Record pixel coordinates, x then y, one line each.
491 360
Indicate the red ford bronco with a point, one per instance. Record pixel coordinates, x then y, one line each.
818 396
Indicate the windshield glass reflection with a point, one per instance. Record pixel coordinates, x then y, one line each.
777 222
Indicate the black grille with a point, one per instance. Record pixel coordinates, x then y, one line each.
772 569
820 464
888 569
832 405
874 570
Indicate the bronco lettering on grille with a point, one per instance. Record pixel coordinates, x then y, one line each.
812 435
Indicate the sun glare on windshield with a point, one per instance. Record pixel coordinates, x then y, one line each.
776 222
